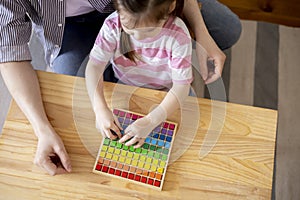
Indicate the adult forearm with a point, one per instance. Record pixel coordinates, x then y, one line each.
21 80
191 12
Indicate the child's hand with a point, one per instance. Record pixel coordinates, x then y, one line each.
106 122
142 127
138 131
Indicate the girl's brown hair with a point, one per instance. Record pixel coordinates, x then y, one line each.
153 10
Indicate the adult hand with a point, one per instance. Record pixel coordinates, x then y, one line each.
211 59
51 154
106 122
206 48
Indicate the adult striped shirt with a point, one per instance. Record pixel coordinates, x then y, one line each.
162 60
47 17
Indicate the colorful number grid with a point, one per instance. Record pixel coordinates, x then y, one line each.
145 165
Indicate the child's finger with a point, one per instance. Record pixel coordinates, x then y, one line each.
140 143
109 134
132 141
125 138
116 130
117 122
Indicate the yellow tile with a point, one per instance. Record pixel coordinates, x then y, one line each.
155 162
108 155
123 153
143 158
149 160
162 163
121 159
134 163
115 157
130 154
104 148
147 166
117 151
140 164
110 149
160 170
102 154
128 161
153 168
136 156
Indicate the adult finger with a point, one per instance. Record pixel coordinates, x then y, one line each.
64 158
212 78
45 162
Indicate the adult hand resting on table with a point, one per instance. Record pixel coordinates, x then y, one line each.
22 82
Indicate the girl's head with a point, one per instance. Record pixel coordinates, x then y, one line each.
143 18
146 13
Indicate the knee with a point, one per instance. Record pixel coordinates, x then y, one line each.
223 25
232 33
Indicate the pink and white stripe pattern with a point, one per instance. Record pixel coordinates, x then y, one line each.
164 58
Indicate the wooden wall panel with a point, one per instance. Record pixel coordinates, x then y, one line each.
285 12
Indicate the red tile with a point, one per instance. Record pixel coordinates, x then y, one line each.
104 168
111 171
131 176
124 174
150 181
137 178
98 167
122 114
134 116
172 126
116 112
118 173
144 179
157 183
166 125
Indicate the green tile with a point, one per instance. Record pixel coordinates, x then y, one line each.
157 155
113 143
144 151
151 153
131 148
159 150
125 147
145 146
106 141
119 145
138 150
164 157
166 151
152 148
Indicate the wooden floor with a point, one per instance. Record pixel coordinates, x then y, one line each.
262 70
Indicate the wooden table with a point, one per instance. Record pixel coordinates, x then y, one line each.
236 161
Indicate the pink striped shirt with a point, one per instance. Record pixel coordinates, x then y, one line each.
164 59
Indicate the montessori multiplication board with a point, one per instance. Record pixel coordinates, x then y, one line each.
146 165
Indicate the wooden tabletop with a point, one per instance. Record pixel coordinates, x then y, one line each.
221 151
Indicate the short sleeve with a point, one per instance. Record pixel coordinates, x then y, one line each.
180 63
106 42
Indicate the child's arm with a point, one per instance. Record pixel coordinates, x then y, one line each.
105 120
142 127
